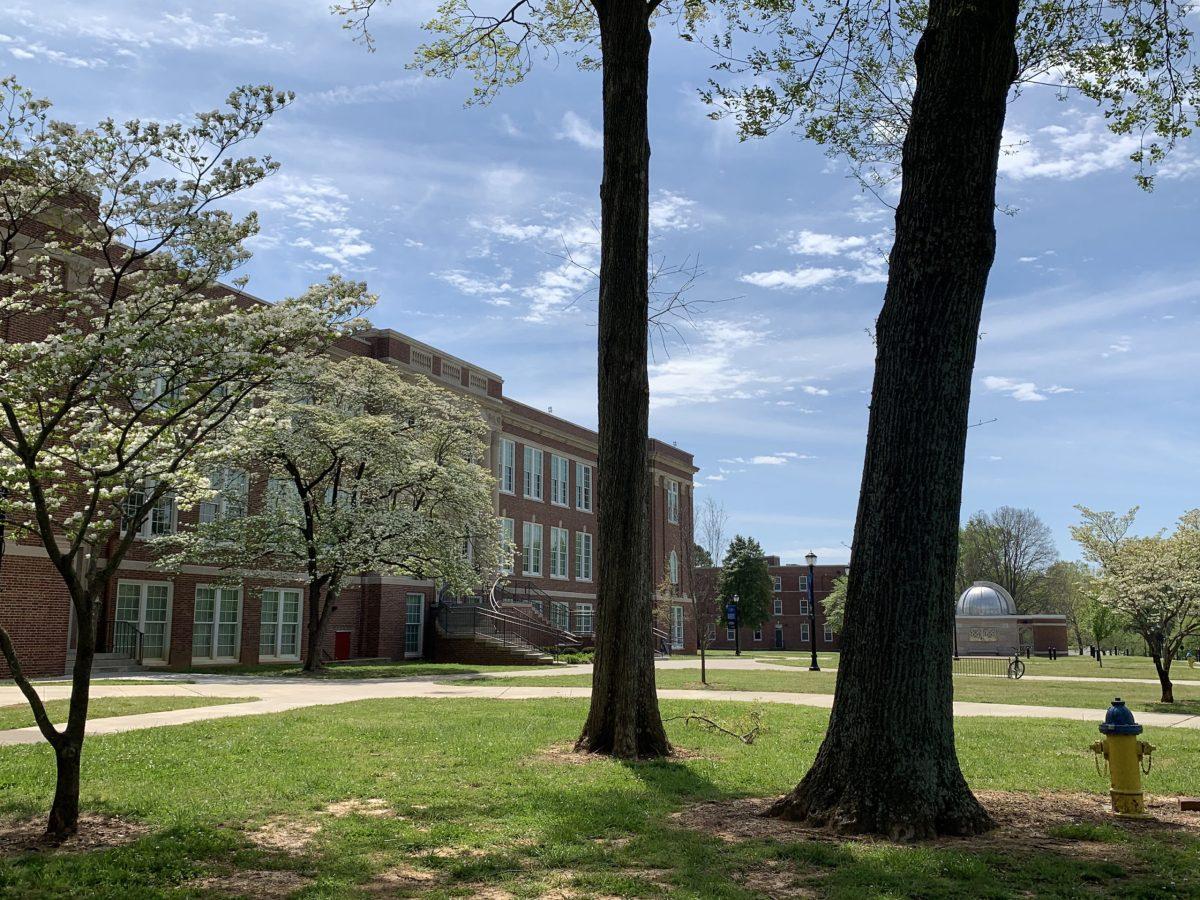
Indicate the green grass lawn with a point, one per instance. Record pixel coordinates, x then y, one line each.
20 716
1074 666
455 797
401 669
984 690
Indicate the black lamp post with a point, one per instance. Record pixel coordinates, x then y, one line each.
737 625
811 559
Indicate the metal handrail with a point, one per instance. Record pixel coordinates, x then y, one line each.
128 640
991 666
513 631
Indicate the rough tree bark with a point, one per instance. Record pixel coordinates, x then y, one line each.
319 611
624 719
1162 665
888 763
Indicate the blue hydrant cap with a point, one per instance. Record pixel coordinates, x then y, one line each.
1119 720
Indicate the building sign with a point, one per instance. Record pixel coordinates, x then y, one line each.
982 636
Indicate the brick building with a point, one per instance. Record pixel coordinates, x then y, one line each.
787 624
545 498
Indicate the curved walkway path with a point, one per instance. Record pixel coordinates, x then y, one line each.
281 694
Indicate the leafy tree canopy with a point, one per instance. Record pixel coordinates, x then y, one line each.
744 574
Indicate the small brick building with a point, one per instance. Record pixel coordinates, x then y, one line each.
787 626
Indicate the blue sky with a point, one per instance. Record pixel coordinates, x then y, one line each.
460 218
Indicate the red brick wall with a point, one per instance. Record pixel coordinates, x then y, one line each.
791 619
35 610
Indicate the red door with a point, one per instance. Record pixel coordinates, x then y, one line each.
341 645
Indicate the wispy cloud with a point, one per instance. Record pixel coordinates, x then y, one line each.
1024 391
579 131
374 92
862 261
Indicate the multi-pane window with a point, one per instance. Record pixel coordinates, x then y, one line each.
560 480
673 502
508 466
160 519
280 632
558 552
533 473
583 556
673 567
283 499
217 624
507 541
779 606
804 632
145 606
414 622
804 582
730 634
758 634
677 627
232 486
583 487
828 633
560 615
804 606
584 618
531 548
778 579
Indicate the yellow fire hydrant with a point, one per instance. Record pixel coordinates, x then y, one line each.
1125 757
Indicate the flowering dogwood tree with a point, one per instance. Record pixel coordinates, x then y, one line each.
1151 583
124 362
366 471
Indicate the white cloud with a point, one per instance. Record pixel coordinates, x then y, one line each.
813 243
670 211
1024 391
343 246
710 372
580 131
1123 344
794 280
375 92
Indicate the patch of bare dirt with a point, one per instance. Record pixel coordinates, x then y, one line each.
401 878
373 806
775 881
285 835
566 754
261 884
96 832
1024 823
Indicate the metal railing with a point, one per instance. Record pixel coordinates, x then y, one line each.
128 640
991 666
521 632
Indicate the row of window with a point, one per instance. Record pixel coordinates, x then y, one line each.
216 620
730 634
533 555
779 583
533 486
778 610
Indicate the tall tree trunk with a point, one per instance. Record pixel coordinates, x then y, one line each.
63 820
888 763
1163 668
624 719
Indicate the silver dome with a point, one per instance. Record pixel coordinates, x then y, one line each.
985 598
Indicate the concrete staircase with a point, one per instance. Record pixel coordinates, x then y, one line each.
106 665
485 650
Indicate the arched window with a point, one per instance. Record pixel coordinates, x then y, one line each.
674 570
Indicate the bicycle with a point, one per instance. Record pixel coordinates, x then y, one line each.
1016 668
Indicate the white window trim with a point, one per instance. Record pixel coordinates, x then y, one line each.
778 580
565 480
828 633
579 544
758 633
778 606
590 611
677 613
142 583
237 650
730 633
565 558
804 632
277 657
527 532
672 489
508 448
221 502
145 530
410 654
579 486
531 477
673 568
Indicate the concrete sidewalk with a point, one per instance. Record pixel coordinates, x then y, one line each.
280 695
